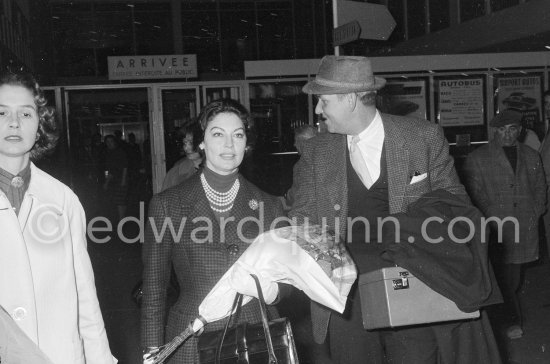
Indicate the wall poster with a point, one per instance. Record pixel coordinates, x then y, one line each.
404 97
524 94
460 102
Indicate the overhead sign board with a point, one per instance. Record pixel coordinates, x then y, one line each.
146 67
346 33
375 20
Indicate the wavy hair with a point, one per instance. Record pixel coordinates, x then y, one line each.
211 110
47 126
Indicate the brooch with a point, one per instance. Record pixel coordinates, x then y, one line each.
17 182
253 204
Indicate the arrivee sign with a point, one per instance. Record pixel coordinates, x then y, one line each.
346 33
143 67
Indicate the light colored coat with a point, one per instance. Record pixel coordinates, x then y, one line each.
498 191
46 278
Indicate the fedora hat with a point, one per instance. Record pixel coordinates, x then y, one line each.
344 74
507 117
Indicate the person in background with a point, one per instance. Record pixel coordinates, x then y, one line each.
529 138
506 180
545 155
135 176
46 277
301 135
214 204
368 166
116 175
192 160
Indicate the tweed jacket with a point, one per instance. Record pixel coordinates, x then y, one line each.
413 147
498 191
199 256
46 278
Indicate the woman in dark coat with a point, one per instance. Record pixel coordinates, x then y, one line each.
215 214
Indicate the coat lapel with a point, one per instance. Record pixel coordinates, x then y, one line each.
242 210
397 162
332 167
503 165
200 208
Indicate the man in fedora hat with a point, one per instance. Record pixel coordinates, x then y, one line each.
368 166
505 179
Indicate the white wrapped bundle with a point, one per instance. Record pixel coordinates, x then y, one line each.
303 256
306 257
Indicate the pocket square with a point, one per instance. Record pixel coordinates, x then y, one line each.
418 178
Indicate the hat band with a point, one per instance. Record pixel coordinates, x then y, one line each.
324 82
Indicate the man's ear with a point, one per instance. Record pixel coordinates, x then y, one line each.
351 98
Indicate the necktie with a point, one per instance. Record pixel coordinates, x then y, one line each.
358 162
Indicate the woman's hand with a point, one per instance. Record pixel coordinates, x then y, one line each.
242 282
149 354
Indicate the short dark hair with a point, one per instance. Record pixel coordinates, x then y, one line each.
47 126
194 128
113 138
211 110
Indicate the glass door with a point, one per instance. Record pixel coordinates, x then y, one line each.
211 93
95 115
178 107
277 108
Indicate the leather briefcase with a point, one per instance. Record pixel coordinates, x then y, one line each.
267 342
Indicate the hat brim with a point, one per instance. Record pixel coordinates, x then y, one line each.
312 87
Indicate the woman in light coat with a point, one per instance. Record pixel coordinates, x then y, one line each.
46 279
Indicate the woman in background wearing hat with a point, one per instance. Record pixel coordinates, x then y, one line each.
506 180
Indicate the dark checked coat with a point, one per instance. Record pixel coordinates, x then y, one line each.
198 266
498 191
320 184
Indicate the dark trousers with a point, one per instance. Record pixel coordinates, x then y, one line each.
510 281
350 343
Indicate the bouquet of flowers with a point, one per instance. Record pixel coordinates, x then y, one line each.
307 256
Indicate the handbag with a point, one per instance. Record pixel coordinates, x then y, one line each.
268 342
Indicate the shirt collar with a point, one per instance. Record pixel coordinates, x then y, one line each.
6 178
372 134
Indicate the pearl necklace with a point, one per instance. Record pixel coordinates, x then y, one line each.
224 200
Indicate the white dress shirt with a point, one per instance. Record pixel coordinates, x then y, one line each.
371 144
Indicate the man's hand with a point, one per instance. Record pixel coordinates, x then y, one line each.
242 282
